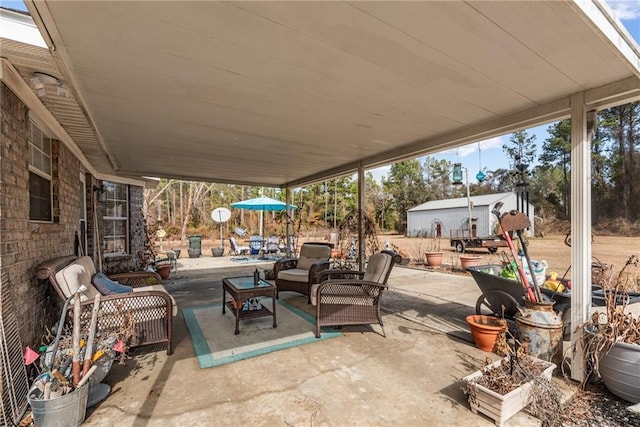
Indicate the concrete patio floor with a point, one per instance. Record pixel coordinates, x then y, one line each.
410 378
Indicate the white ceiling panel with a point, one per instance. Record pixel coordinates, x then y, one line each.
281 93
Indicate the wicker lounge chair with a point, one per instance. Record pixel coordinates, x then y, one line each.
298 274
348 297
150 305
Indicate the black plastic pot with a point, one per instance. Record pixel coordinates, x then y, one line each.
217 252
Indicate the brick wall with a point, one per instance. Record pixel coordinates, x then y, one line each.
25 244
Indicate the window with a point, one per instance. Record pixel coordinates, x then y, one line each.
40 199
116 219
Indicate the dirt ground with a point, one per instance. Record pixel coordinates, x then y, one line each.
614 250
606 249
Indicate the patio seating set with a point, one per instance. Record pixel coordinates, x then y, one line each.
341 297
134 309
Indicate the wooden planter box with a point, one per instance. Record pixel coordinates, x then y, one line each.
501 407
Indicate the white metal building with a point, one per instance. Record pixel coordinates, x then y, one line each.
444 217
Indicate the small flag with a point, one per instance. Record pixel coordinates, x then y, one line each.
30 356
119 347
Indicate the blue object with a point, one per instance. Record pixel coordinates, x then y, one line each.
457 173
107 286
255 244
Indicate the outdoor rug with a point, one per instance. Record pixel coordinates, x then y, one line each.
215 343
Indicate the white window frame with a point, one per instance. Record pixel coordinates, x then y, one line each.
82 232
37 148
116 211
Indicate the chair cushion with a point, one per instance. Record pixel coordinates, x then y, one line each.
304 263
377 268
314 292
353 295
76 274
312 253
294 275
107 286
161 288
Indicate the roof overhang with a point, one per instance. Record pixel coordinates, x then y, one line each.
287 93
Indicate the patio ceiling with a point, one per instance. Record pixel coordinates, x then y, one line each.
285 93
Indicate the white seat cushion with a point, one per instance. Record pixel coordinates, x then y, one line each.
314 291
294 275
75 275
80 273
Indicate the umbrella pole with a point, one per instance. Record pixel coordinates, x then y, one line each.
261 223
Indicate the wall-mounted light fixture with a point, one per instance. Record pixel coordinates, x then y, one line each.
100 193
40 81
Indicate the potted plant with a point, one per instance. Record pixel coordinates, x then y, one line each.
503 388
469 261
433 255
612 337
217 252
163 269
485 330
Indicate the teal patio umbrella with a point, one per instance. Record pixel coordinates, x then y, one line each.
262 204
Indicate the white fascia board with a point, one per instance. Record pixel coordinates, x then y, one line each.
44 119
612 29
20 27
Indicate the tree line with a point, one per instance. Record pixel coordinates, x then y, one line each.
183 207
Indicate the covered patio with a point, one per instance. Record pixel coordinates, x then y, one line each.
285 94
411 377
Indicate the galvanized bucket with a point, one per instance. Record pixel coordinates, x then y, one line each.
542 329
68 410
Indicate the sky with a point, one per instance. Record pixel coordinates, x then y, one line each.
488 154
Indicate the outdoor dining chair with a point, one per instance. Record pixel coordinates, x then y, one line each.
273 244
256 244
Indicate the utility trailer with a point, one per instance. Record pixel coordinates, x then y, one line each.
461 241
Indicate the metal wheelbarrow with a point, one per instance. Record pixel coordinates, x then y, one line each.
500 297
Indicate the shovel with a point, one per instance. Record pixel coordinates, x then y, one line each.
518 222
505 232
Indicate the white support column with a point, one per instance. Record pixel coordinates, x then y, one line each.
287 200
580 228
361 243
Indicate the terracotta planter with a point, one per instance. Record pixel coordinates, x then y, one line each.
620 371
470 261
164 271
434 259
485 330
497 406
